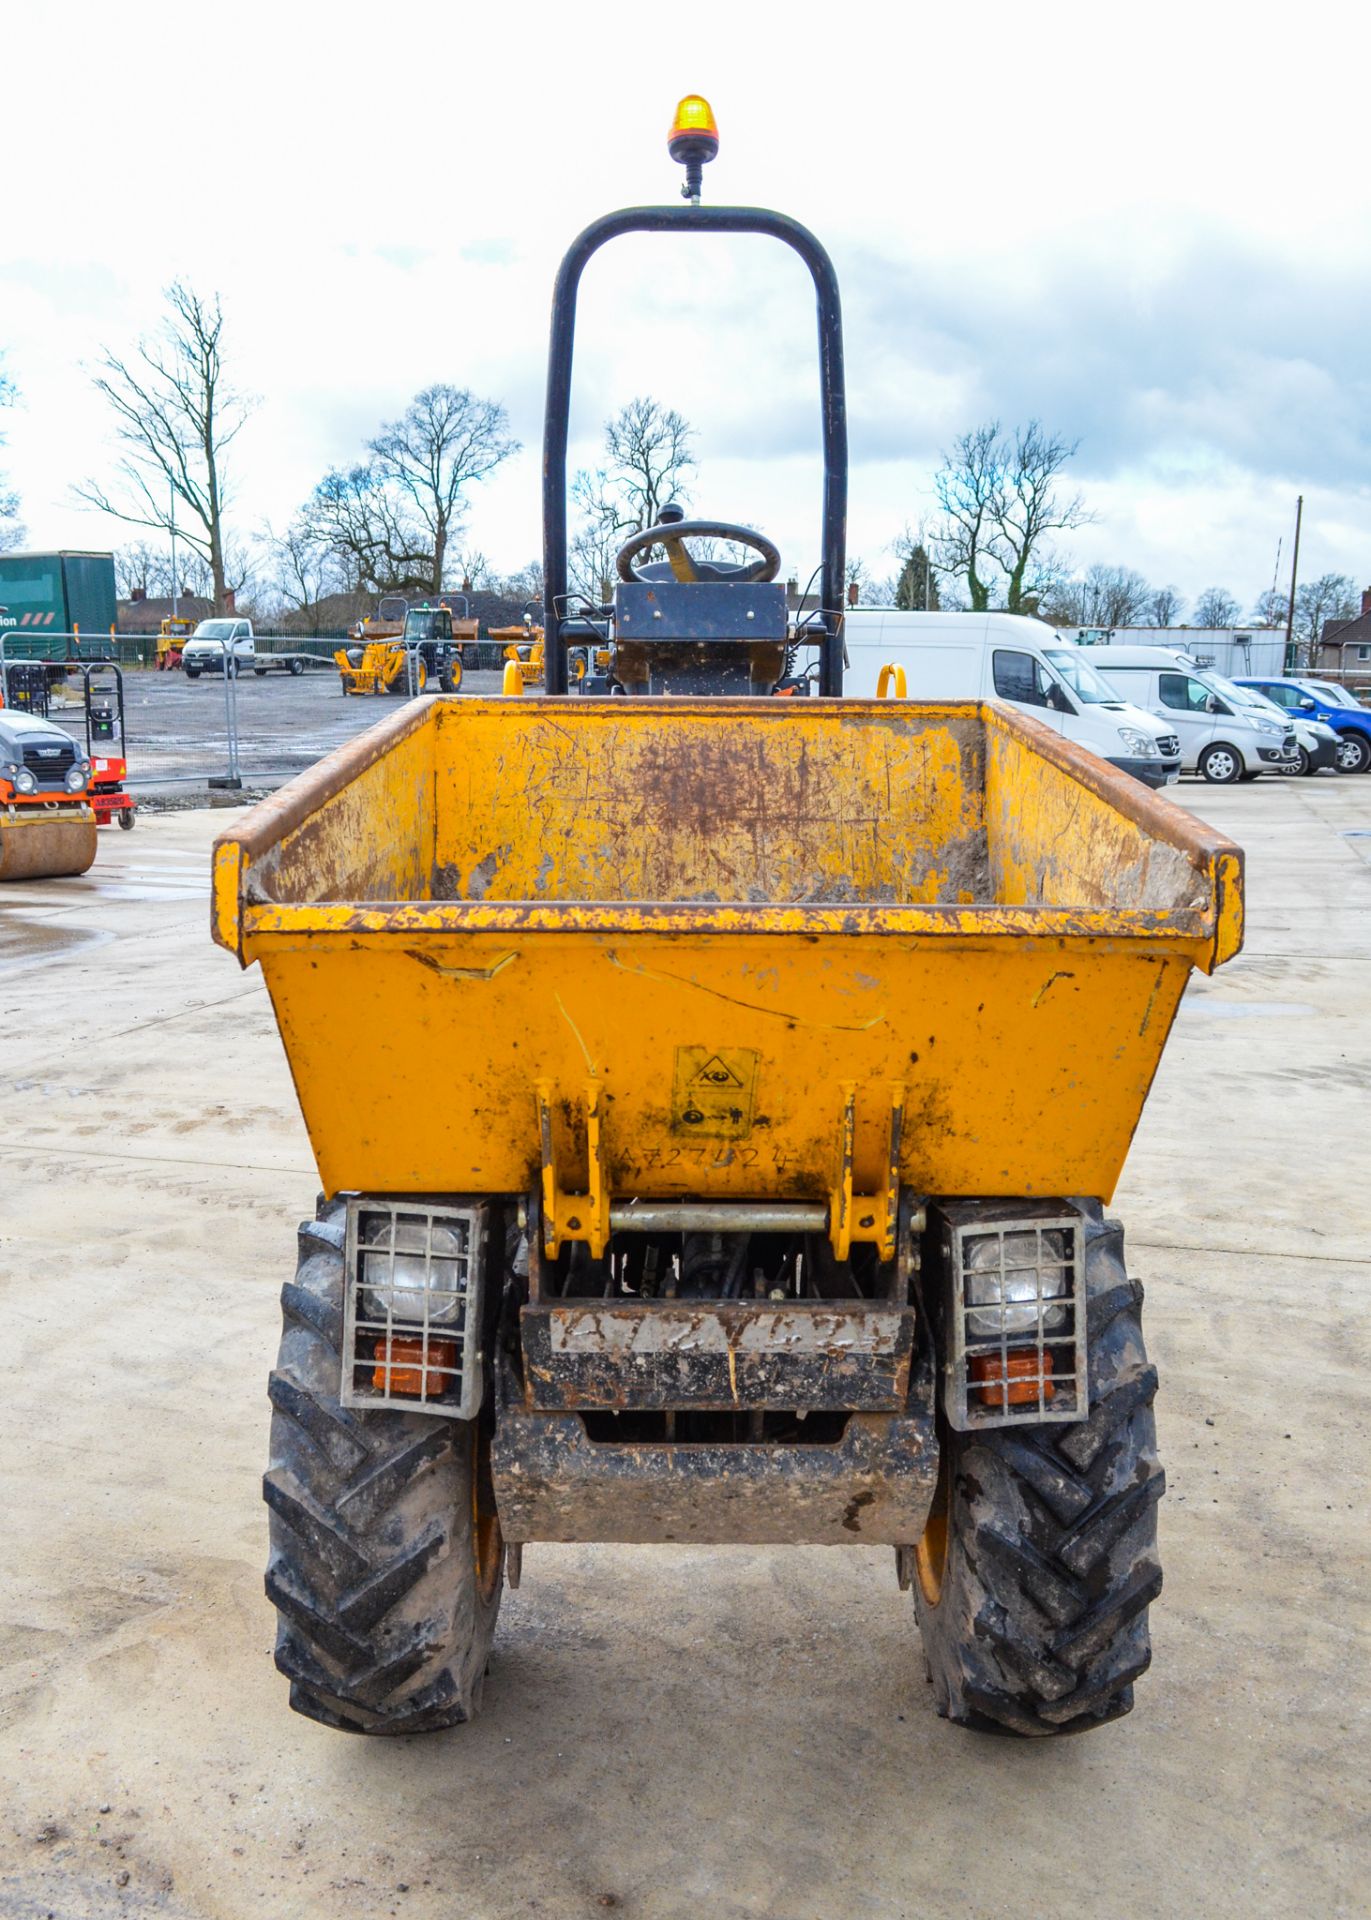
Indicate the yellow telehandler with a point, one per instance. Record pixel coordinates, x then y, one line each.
738 1170
406 656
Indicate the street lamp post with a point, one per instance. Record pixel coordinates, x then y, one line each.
1294 578
175 597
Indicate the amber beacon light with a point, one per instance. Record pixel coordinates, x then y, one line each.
694 139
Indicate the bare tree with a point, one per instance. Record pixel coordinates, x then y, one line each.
598 537
1332 597
1165 606
1100 597
1064 604
1030 506
142 568
1115 597
1216 607
525 584
647 465
389 522
1000 497
196 578
649 457
1270 609
445 441
377 545
176 416
473 571
969 488
242 573
858 575
303 570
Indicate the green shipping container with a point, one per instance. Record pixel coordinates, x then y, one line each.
45 594
89 582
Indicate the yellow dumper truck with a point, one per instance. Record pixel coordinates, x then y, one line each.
737 1171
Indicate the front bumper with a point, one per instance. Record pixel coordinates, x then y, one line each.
1323 753
872 1487
1152 773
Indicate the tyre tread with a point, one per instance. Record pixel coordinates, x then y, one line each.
1041 1627
381 1628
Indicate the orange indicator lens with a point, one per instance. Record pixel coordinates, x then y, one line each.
406 1372
1018 1384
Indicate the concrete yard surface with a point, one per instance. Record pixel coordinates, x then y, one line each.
667 1731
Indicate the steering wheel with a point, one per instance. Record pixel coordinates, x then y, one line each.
672 532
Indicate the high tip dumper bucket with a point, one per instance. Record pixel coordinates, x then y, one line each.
717 934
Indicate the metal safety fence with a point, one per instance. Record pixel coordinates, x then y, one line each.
249 731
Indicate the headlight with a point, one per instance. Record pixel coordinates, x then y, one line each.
408 1265
25 780
1268 726
78 776
1142 744
413 1311
1008 1274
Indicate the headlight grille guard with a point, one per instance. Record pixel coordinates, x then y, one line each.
414 1348
1012 1362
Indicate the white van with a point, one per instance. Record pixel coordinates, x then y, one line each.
204 652
1018 661
1222 738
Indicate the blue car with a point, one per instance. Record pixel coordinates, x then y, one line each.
1321 700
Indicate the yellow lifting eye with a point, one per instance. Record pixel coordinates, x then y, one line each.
694 131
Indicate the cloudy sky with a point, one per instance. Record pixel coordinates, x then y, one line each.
1149 227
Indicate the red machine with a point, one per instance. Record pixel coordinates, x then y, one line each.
103 687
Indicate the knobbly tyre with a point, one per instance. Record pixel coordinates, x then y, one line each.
737 1172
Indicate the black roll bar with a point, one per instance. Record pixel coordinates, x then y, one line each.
104 666
557 416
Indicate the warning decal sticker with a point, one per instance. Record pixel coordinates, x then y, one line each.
712 1092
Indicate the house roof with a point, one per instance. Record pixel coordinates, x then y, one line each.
1345 633
146 616
498 610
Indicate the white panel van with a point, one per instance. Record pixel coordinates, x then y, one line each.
1222 738
1018 661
